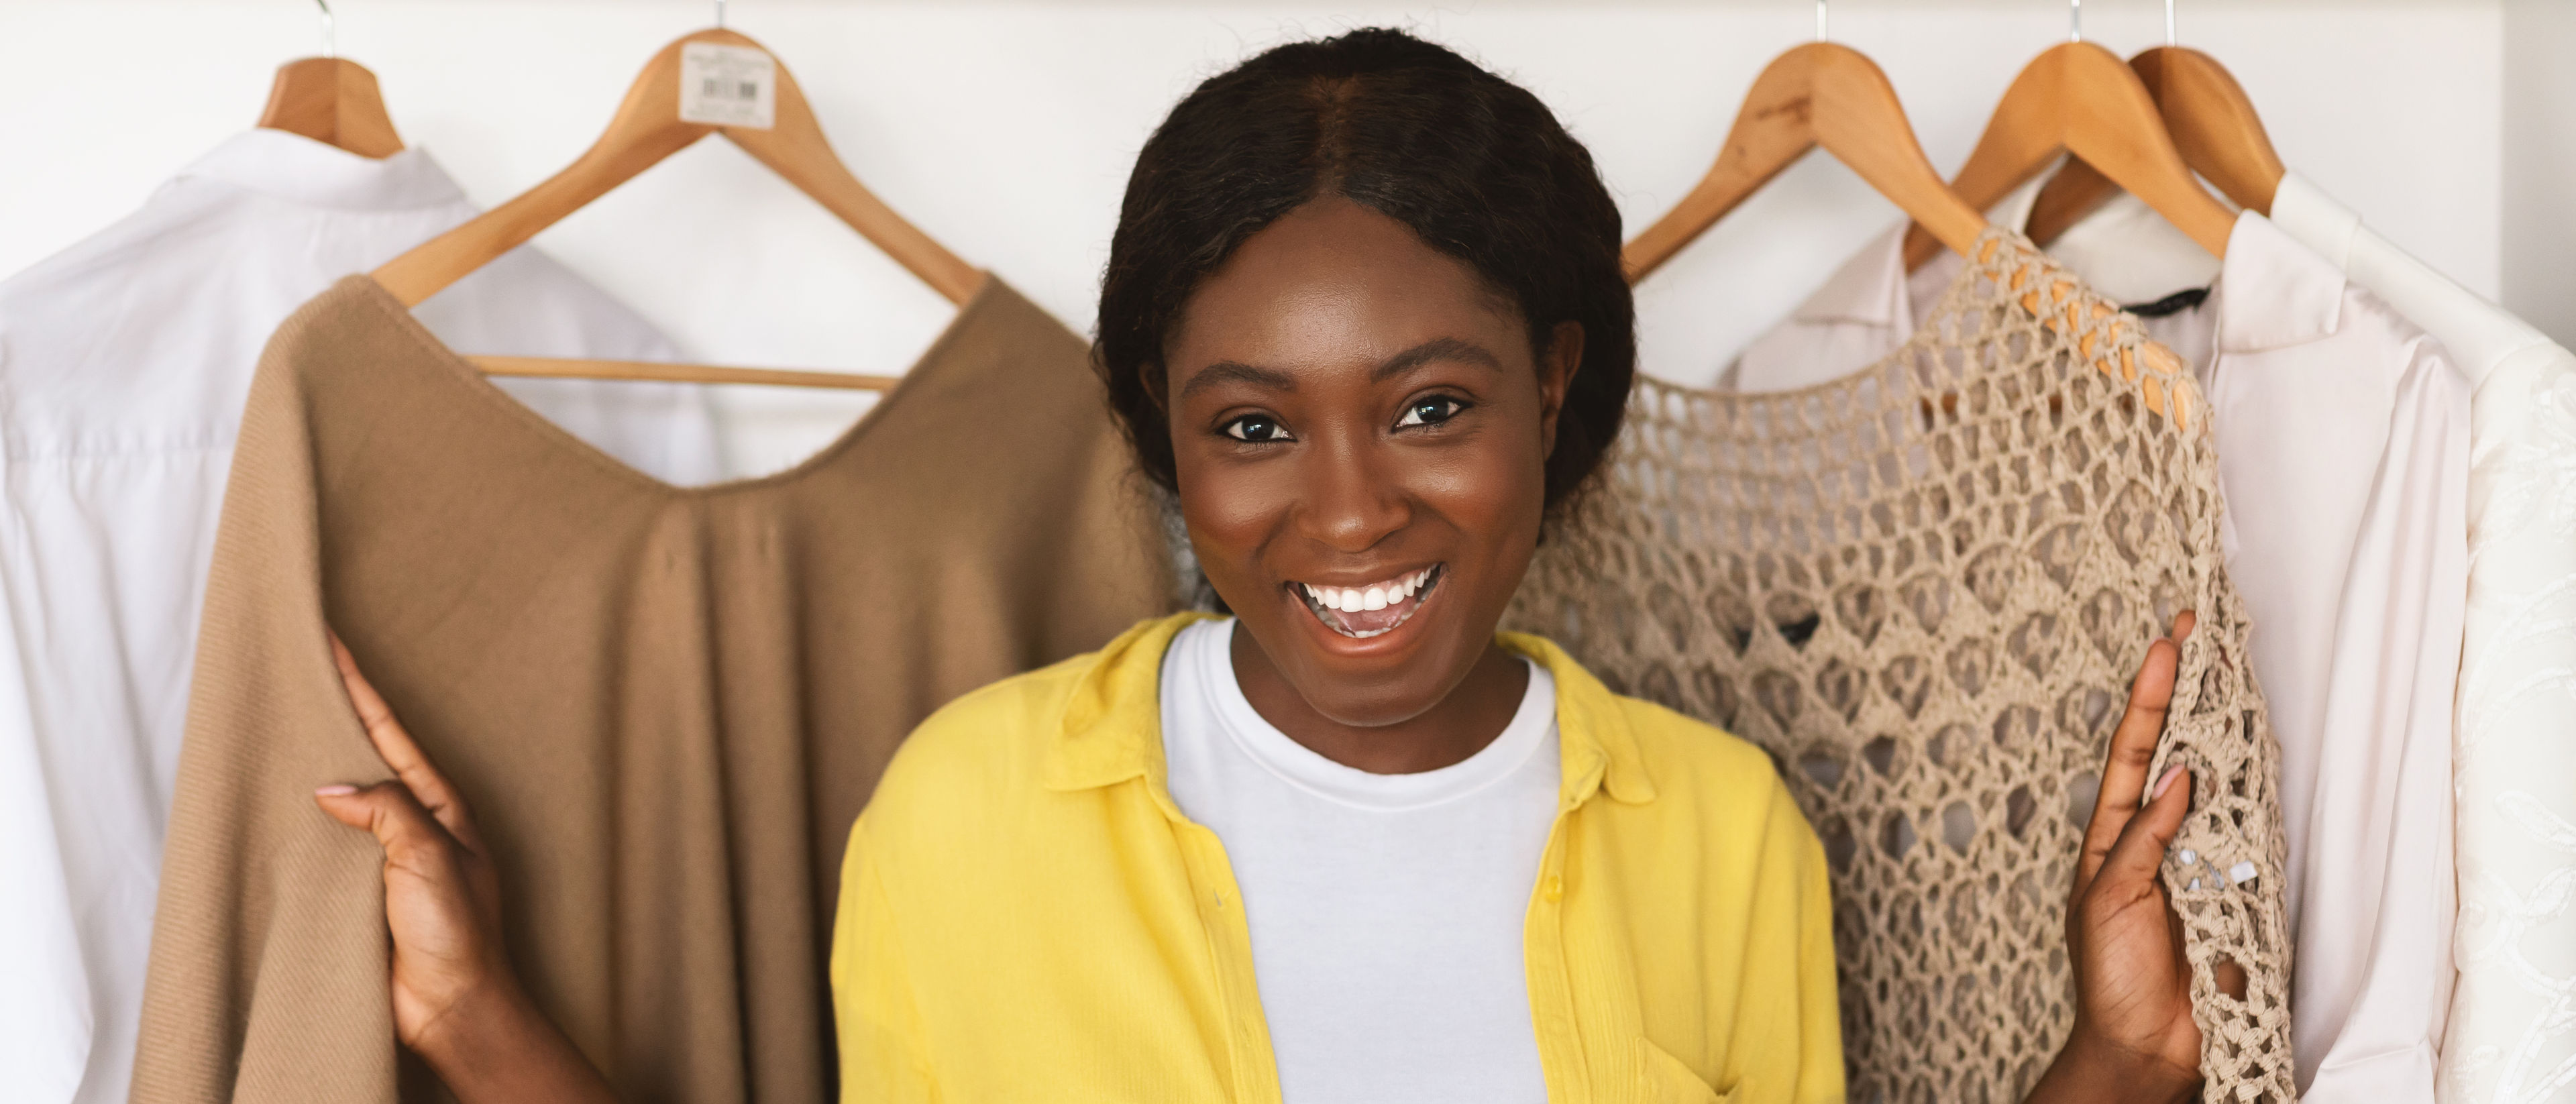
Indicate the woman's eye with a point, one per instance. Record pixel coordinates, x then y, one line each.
1257 427
1432 410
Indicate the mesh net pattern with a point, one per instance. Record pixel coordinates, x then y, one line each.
1924 589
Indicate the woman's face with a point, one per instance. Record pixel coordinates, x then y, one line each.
1361 429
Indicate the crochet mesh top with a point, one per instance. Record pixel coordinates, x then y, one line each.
1924 588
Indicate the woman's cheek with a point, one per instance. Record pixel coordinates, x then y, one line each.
1496 490
1231 509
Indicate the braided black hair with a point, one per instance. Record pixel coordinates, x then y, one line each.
1473 163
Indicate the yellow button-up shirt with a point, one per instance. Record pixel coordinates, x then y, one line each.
1025 915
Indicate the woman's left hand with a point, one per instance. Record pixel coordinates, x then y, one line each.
2134 1038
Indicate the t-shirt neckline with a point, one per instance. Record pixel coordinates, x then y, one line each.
1296 764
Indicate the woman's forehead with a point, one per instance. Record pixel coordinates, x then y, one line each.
1337 282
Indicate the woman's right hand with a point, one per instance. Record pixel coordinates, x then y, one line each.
442 897
455 1001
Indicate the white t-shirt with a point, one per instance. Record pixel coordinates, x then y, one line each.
1385 909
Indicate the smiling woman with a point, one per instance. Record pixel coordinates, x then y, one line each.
1354 415
1364 322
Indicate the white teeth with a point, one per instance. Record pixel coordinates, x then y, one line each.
1387 595
1353 599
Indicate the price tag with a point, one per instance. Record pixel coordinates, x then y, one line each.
728 85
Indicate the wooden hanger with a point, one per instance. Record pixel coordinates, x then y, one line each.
2081 99
2212 122
646 129
1823 94
331 100
565 368
1818 94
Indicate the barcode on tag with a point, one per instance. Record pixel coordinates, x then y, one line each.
728 85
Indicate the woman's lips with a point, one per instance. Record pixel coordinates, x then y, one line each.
1371 610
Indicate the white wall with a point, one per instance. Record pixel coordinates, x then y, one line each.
1006 129
2539 255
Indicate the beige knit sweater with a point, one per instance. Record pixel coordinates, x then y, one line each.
1924 588
665 706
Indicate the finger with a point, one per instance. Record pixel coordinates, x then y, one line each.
387 810
2131 865
394 745
2133 750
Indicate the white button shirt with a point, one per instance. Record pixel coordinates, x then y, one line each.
2512 1035
124 364
2343 445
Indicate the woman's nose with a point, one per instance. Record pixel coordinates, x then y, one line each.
1352 501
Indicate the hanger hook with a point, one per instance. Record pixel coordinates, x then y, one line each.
1824 22
2169 24
330 33
2075 20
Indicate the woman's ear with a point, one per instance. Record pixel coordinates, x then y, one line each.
1556 369
1151 373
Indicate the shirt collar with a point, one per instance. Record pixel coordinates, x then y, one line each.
2274 292
2307 213
1113 722
1869 289
1599 746
297 168
1873 288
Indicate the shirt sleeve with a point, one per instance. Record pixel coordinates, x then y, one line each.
2373 973
884 1059
268 955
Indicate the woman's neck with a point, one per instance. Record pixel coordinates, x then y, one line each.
1473 713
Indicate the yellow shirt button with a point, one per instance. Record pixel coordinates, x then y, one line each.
1554 888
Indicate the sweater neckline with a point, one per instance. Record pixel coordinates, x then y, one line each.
991 297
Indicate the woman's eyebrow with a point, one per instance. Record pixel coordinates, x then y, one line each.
1438 348
1235 371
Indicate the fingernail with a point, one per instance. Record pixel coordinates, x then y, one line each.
334 791
2166 782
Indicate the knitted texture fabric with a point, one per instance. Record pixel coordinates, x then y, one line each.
1925 588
